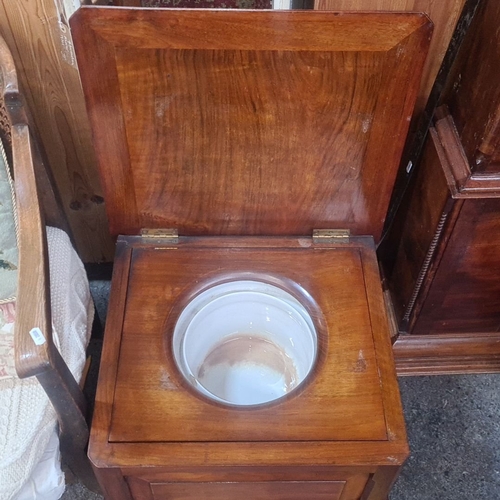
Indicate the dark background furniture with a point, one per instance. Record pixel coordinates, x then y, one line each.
443 266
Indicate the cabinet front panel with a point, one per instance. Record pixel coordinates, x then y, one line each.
261 483
297 490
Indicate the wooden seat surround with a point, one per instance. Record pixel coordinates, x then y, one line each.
224 140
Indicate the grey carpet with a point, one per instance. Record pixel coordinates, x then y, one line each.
453 426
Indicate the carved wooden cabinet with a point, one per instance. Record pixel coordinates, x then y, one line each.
446 277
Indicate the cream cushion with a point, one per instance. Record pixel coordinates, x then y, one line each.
27 418
8 244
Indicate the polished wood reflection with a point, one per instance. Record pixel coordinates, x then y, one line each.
245 131
263 123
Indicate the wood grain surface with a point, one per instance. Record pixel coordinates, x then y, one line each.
38 35
150 433
43 51
347 482
37 206
473 178
473 94
249 122
458 289
155 394
448 354
141 401
421 222
446 262
444 14
465 289
292 490
33 279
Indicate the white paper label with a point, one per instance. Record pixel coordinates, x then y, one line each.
37 336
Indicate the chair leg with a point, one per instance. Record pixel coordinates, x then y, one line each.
79 464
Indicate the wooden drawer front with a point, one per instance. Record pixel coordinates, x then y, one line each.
252 483
275 490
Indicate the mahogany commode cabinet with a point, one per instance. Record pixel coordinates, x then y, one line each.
241 147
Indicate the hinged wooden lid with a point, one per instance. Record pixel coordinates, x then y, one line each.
249 122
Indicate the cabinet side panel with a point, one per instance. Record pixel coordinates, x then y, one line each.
417 224
464 294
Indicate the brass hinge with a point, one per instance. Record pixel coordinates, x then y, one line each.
331 235
171 235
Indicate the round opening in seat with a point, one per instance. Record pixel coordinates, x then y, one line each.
244 343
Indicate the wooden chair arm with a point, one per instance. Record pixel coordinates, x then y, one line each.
30 358
36 355
35 352
33 302
33 318
37 203
33 332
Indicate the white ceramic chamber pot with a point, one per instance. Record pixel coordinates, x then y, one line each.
244 343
